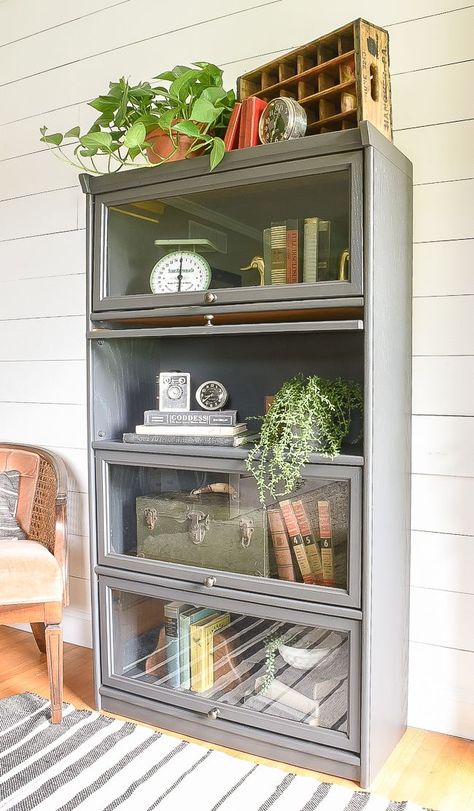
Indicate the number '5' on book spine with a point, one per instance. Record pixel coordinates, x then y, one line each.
297 541
280 545
311 546
325 534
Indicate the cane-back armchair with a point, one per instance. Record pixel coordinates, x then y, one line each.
33 572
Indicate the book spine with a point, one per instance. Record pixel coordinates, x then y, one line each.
292 259
311 546
208 679
325 534
185 644
324 249
267 255
281 546
297 541
256 108
243 123
278 253
172 645
131 438
192 430
225 418
201 640
198 659
310 250
231 137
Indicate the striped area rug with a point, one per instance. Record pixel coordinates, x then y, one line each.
94 763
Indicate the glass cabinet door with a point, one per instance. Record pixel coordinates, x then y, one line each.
281 232
194 524
296 673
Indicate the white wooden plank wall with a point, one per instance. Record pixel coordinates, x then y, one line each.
53 58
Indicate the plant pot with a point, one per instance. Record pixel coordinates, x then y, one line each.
163 149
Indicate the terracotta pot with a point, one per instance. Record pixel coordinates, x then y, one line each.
163 148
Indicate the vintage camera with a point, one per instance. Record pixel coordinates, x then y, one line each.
174 391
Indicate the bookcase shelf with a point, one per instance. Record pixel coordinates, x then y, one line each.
337 702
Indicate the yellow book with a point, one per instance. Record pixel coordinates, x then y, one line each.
202 633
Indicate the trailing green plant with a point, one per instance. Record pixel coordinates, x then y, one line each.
272 643
192 102
307 415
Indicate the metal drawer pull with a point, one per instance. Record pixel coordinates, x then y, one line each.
210 298
210 582
213 714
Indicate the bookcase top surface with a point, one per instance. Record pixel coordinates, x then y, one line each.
351 140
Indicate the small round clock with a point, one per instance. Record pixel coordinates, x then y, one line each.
180 272
283 118
212 395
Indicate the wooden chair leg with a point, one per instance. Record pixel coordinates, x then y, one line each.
54 657
38 629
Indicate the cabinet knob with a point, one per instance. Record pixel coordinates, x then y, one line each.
209 320
210 298
210 582
213 714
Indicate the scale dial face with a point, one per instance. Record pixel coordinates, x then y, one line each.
180 272
211 395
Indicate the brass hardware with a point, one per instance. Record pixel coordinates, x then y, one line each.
343 272
200 523
151 517
209 320
213 714
257 263
210 582
210 298
247 526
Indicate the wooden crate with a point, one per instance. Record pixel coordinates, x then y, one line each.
339 79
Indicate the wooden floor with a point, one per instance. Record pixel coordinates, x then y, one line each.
433 770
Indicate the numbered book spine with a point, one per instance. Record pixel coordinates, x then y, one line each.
267 255
297 542
281 545
311 545
171 614
325 534
201 678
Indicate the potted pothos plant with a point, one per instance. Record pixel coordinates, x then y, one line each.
147 124
307 415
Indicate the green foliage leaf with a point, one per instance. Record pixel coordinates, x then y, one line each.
187 128
204 111
217 152
73 133
213 94
135 136
104 104
180 88
166 119
97 140
55 138
166 76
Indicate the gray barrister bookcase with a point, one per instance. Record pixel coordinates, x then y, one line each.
345 712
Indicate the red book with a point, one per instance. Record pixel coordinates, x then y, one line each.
252 109
231 137
292 261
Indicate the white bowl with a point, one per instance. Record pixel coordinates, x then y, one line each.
302 658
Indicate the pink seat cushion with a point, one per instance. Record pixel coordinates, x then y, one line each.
27 463
29 573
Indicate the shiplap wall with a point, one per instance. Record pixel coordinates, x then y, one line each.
53 58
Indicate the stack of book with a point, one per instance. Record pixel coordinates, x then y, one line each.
302 552
242 130
185 654
295 251
191 428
